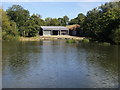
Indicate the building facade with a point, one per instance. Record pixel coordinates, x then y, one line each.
54 30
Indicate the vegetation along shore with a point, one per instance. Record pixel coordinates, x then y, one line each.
101 23
65 37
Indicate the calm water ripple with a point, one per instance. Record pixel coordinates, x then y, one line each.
57 64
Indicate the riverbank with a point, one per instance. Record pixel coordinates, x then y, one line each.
67 37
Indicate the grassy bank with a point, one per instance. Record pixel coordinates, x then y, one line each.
11 38
64 37
88 40
69 39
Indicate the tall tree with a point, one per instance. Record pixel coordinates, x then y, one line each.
18 14
61 20
66 20
9 28
52 22
78 20
32 26
103 23
37 19
48 20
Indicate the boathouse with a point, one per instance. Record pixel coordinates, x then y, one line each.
54 30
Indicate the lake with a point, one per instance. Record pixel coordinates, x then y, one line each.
57 64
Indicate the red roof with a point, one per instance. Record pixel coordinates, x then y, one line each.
73 27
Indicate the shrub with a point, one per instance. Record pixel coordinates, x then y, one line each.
10 37
115 37
86 40
106 44
71 41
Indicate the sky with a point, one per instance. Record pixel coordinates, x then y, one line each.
55 9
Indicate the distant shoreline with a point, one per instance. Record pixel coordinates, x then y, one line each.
65 37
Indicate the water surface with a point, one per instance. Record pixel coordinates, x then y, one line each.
57 64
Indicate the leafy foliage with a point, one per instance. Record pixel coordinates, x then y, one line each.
28 25
57 22
9 28
78 20
103 23
18 14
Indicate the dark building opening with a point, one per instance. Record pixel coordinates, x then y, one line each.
55 32
41 32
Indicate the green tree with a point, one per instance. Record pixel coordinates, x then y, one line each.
73 21
47 21
61 20
32 26
28 25
66 20
52 22
37 19
9 29
78 20
55 22
18 14
103 23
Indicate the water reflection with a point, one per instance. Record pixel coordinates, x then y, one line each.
102 63
40 64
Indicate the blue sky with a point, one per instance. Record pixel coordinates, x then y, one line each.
55 9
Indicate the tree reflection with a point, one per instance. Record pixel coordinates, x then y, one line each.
102 56
17 55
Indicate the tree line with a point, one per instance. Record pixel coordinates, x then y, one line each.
101 23
17 21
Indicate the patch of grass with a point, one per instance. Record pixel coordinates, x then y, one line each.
86 40
11 38
105 44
